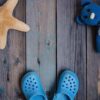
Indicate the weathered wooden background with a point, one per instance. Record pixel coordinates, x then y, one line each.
54 43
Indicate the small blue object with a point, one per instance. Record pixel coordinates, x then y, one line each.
68 86
98 43
90 15
32 88
85 2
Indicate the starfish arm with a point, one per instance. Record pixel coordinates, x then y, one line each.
3 38
19 25
11 4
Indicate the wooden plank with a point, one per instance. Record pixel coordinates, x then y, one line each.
71 43
32 37
63 35
16 57
3 70
93 67
41 40
3 74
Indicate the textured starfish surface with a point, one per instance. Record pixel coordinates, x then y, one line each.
7 21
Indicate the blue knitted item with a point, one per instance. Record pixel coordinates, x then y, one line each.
85 2
98 43
90 14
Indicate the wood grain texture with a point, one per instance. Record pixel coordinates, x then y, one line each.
12 61
41 40
71 42
17 59
54 43
3 70
93 67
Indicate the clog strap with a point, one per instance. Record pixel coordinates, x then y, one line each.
38 93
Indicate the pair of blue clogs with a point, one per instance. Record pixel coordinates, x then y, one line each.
67 88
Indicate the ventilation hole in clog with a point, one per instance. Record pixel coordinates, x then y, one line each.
36 86
71 86
34 82
65 77
30 78
74 89
62 85
30 81
68 80
64 81
69 77
74 82
66 87
33 79
27 80
72 79
66 84
29 84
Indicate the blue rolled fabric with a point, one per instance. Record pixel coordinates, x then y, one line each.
98 43
90 15
84 2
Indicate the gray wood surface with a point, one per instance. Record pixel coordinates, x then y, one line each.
41 40
3 71
17 58
93 68
54 43
12 60
71 43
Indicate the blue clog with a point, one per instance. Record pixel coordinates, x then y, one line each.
32 88
68 86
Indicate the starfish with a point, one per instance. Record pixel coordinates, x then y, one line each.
8 21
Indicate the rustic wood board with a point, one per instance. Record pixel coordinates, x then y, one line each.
93 67
71 43
12 61
54 43
17 55
41 40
